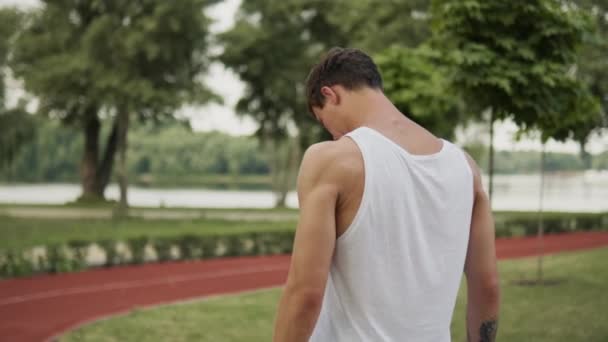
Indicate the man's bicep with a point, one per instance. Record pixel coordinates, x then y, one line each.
314 241
481 253
316 232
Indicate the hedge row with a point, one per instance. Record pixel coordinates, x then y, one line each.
516 224
78 254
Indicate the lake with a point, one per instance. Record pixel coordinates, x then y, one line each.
583 191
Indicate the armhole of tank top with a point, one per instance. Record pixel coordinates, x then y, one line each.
354 225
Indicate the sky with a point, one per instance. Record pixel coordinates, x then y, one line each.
222 117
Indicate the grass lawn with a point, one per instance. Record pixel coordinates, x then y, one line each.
17 233
570 311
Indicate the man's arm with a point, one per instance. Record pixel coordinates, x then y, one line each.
483 291
314 243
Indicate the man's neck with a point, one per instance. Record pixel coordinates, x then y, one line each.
373 109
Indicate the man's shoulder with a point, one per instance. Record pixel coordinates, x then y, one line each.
335 153
333 161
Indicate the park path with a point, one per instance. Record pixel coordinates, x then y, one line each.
43 307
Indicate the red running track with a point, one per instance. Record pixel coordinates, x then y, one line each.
42 307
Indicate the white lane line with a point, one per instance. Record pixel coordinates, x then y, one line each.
139 283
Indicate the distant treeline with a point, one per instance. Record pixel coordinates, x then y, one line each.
162 156
173 155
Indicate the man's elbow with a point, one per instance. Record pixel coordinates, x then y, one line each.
486 287
489 289
305 301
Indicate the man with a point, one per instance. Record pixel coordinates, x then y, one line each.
390 216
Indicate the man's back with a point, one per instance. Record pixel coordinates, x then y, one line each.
396 270
383 235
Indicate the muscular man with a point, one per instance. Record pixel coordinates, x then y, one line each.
390 216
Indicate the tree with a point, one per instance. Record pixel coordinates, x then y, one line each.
273 45
509 57
88 61
414 81
592 67
374 28
271 48
16 126
579 117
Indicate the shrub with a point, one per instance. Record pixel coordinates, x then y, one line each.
73 255
109 247
137 246
511 224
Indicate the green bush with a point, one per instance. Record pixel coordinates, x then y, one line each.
73 255
14 264
109 247
137 246
514 224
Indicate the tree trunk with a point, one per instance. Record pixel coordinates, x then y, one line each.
585 155
104 171
88 165
491 159
541 228
283 173
123 128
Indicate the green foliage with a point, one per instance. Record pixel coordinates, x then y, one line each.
163 249
273 45
271 48
142 54
527 162
414 80
16 127
516 57
509 224
72 256
47 157
137 246
97 60
375 26
24 233
177 151
593 60
109 248
171 155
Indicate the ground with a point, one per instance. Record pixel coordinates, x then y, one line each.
568 311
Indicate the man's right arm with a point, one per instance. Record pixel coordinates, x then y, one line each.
483 292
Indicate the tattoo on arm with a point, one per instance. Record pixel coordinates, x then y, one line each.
487 331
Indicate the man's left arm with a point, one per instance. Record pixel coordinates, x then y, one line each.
314 243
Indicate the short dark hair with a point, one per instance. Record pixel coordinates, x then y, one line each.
350 68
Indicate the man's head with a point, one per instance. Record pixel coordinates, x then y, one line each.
332 83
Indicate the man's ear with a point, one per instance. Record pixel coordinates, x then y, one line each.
331 95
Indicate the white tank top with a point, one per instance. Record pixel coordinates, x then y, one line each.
396 270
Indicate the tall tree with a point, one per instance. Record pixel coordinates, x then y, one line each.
580 115
271 48
16 126
592 68
273 44
375 27
414 81
509 57
88 61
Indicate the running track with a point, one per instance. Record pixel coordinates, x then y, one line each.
42 307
